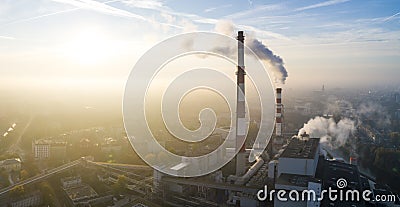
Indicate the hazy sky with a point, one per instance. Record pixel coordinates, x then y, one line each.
331 42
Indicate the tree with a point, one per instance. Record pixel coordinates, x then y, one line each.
17 191
24 174
4 177
120 185
47 192
30 166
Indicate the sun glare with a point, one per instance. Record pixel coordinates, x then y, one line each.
89 47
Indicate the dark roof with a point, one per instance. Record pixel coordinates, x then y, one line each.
334 170
296 180
303 149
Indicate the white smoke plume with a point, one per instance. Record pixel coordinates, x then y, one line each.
374 111
274 62
332 133
365 111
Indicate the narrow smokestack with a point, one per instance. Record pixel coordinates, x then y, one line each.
240 108
279 113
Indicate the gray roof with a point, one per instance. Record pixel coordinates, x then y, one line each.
302 149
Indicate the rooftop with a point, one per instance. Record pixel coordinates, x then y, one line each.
49 142
10 161
296 180
72 178
35 193
334 170
301 148
81 192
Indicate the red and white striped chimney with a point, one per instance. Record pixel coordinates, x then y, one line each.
279 112
241 124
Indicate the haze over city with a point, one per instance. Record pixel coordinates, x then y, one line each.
199 103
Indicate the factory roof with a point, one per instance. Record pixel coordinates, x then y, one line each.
296 180
335 170
301 148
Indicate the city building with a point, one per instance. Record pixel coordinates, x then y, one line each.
28 200
13 164
46 148
397 114
41 149
81 194
69 182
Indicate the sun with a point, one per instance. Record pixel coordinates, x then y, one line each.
89 47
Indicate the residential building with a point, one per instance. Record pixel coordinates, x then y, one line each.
13 164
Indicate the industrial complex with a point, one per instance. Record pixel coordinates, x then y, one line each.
297 163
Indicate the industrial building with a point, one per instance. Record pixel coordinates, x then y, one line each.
296 169
300 156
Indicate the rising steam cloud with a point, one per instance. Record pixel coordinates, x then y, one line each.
371 111
274 62
374 111
332 133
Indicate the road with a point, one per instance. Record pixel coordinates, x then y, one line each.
40 177
15 146
128 166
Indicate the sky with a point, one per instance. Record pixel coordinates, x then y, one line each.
339 43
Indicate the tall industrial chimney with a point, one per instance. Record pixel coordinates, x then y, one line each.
240 109
279 117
